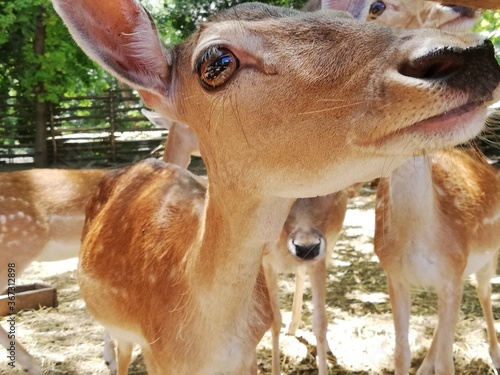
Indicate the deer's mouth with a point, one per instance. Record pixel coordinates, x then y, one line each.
449 120
444 130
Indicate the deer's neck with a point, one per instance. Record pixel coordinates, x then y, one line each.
412 192
233 234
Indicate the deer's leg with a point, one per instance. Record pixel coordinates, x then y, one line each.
272 287
439 359
297 301
124 350
483 277
400 297
317 275
27 362
109 353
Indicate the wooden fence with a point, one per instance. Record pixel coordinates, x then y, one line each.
102 130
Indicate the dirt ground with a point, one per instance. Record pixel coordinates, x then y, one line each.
66 340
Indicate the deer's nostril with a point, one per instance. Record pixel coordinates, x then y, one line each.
473 70
308 251
438 64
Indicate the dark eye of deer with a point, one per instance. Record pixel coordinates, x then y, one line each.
376 9
217 67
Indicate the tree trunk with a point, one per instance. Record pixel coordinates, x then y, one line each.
40 106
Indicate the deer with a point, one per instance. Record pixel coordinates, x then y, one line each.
305 245
452 200
41 218
436 222
407 14
42 213
187 283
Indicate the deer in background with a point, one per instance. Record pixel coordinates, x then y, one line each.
41 218
411 14
305 246
437 220
187 282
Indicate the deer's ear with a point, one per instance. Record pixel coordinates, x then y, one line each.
121 36
157 119
357 8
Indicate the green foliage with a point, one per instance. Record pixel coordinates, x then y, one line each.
178 18
63 69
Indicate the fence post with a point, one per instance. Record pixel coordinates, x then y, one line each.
52 133
112 125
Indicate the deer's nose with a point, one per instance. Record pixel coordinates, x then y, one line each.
307 252
459 68
438 64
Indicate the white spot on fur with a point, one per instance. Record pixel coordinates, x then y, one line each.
13 243
3 219
21 214
491 220
439 191
476 261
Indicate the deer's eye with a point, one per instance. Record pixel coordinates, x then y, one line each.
376 9
216 66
